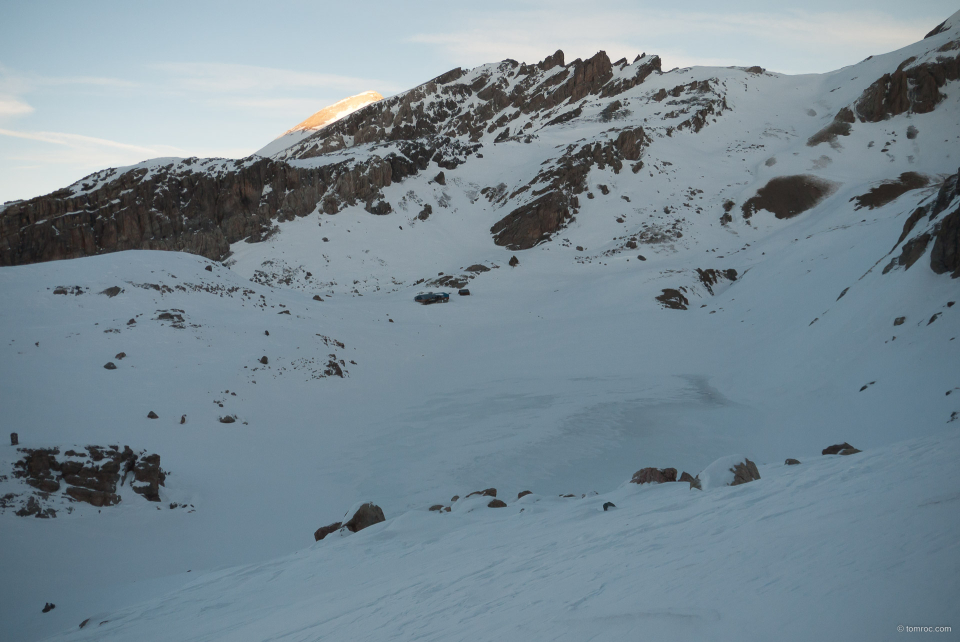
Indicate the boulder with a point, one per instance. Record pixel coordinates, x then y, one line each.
489 492
436 507
367 515
609 505
152 415
323 531
49 607
523 493
112 291
14 439
654 476
686 477
836 448
732 470
496 503
110 365
440 178
791 462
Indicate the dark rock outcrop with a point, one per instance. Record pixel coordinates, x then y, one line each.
673 299
909 89
744 472
840 126
788 196
654 476
367 515
531 224
888 191
148 472
323 531
836 448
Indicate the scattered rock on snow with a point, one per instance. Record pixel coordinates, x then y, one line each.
14 439
120 355
152 415
609 505
110 365
524 493
496 503
228 419
112 291
791 462
49 607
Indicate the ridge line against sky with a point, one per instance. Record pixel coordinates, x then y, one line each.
223 79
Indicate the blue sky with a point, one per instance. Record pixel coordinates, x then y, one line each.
84 86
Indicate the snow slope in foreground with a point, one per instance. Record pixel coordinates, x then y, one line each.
837 548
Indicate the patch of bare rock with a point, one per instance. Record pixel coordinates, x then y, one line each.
91 477
788 196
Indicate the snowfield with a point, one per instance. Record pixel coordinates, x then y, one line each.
561 375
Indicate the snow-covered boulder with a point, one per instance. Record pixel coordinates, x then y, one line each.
731 470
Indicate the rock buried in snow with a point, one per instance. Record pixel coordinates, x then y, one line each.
744 472
524 493
732 470
120 356
654 476
323 531
14 439
514 261
367 515
496 503
489 492
112 291
686 477
110 365
229 419
609 505
791 462
849 451
436 507
152 415
836 448
264 360
49 607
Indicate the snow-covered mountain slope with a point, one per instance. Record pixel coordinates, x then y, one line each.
721 263
319 120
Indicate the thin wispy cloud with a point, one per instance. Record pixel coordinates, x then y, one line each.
10 106
77 140
625 33
206 78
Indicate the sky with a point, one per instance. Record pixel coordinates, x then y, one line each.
85 86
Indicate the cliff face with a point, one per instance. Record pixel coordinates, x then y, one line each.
192 205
